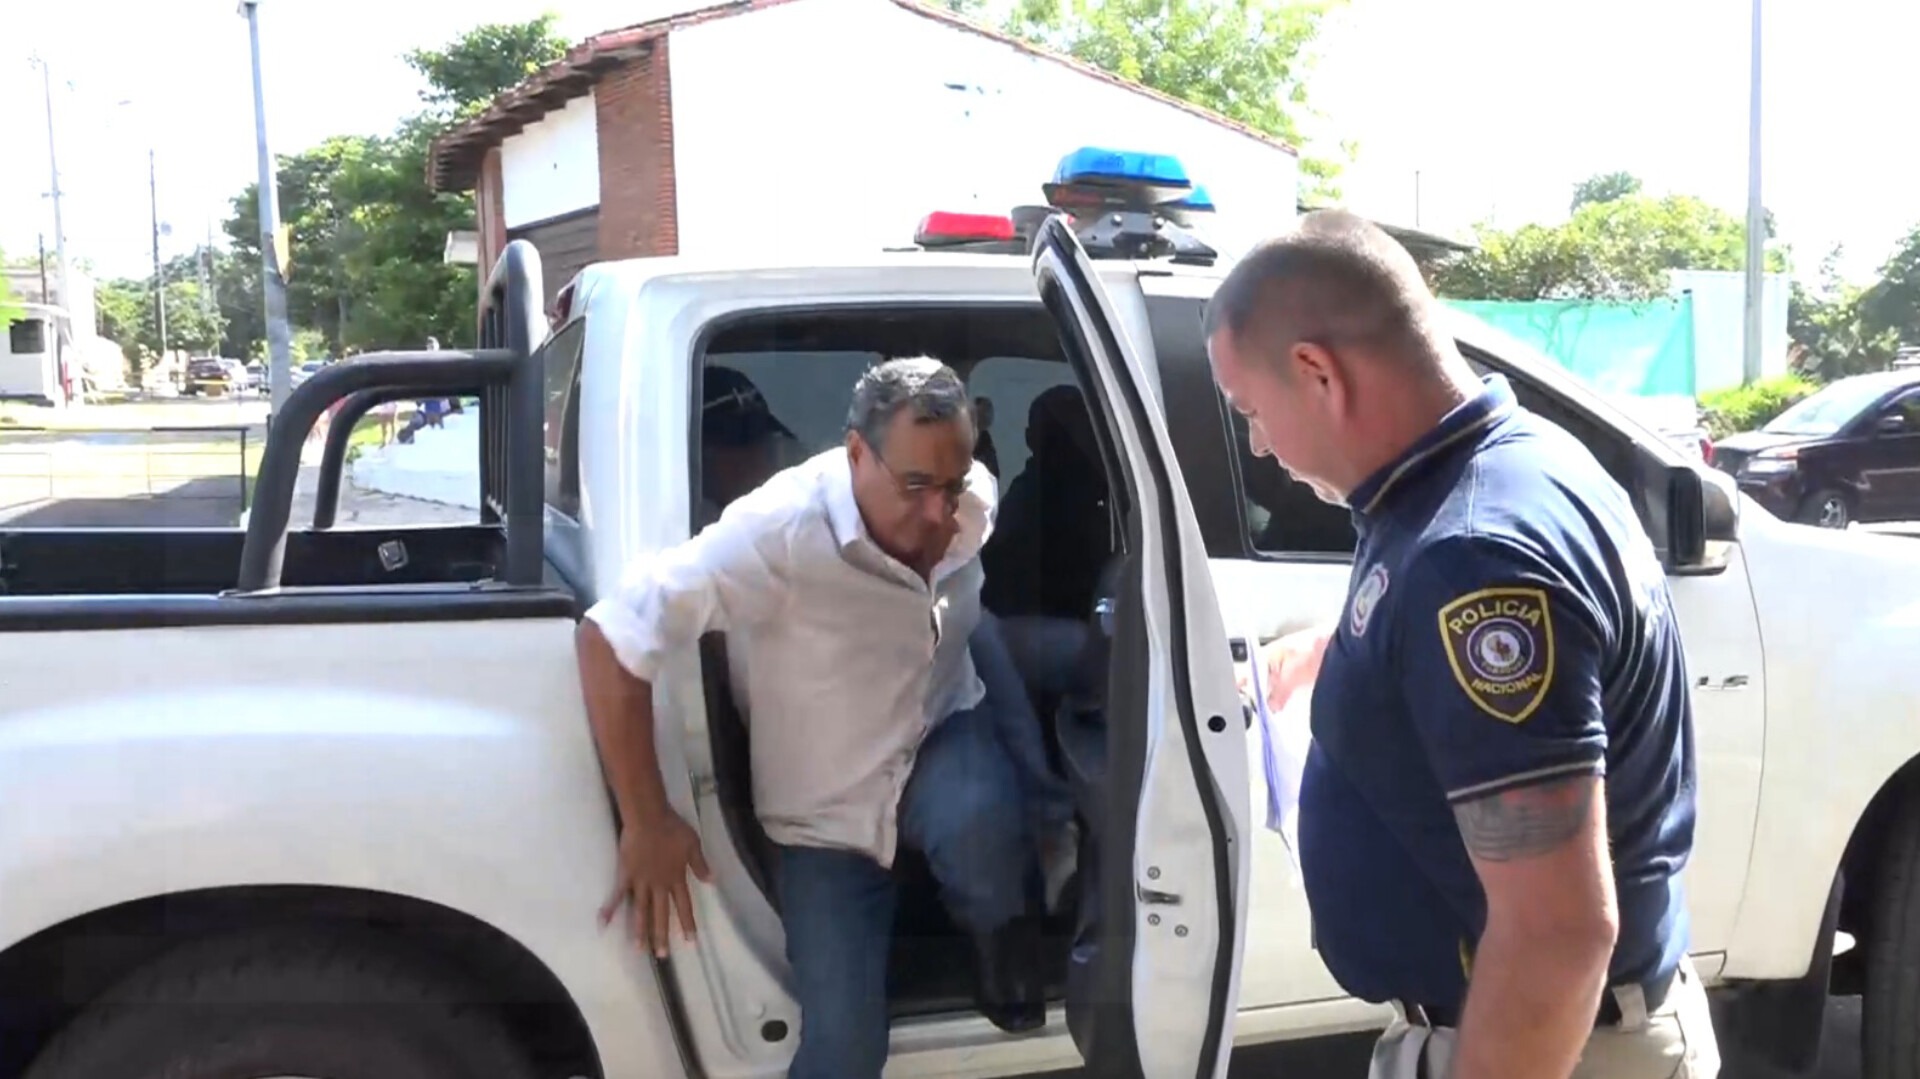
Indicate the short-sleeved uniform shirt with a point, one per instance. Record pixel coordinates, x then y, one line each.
1508 623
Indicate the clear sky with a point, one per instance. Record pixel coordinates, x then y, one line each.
1499 106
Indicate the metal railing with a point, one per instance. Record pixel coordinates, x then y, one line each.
144 477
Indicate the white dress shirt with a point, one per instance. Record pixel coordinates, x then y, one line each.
842 658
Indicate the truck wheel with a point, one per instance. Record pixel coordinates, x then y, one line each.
284 1004
1827 508
1890 1012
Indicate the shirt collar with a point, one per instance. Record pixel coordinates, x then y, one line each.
1461 426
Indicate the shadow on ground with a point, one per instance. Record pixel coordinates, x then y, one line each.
210 502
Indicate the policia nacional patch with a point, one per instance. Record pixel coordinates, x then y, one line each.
1499 642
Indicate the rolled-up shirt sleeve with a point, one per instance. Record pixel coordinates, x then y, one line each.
732 575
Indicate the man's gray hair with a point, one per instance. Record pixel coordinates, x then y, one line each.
928 390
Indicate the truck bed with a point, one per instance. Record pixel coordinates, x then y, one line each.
120 562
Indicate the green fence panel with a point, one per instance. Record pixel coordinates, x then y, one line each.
1645 349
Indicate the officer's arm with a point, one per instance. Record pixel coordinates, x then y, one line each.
1504 682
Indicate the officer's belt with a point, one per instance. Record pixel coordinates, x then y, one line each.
1608 1015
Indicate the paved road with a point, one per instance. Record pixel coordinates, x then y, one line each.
1346 1058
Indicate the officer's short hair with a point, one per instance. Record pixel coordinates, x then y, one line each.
1336 277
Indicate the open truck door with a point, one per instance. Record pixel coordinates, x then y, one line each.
1160 769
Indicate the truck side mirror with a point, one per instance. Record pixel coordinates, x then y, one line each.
1703 517
1893 423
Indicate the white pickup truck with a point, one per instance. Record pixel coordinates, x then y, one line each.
324 802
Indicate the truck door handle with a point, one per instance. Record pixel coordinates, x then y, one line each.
1732 681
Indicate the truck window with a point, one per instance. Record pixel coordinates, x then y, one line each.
1285 518
1010 385
563 352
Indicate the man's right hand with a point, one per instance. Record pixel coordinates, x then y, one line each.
656 854
1289 664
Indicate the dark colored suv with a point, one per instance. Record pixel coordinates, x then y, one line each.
1849 452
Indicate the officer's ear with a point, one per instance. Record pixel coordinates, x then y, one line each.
1313 367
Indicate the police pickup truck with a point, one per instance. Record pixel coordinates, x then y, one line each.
376 849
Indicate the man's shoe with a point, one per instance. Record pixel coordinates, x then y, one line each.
1009 988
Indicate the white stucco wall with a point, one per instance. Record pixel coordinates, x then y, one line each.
552 167
1719 325
862 117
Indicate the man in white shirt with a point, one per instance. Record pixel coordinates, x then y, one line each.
849 587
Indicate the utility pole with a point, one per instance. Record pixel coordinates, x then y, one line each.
205 265
159 272
64 332
1756 217
273 284
44 294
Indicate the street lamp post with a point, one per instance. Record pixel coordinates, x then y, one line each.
159 271
273 285
1756 217
64 327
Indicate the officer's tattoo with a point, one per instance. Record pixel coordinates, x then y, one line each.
1525 822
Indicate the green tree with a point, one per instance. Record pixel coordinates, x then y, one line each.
1824 323
1619 249
10 308
1890 307
367 234
472 69
1604 187
127 317
1247 60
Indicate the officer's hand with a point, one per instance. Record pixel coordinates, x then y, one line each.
656 855
1292 662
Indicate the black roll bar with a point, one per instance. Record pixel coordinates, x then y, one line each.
505 372
513 469
333 457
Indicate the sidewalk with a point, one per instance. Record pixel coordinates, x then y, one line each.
364 508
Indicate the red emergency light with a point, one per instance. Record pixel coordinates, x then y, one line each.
944 228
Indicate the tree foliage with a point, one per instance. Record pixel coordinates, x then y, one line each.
128 316
1605 187
367 233
1244 59
1617 248
472 69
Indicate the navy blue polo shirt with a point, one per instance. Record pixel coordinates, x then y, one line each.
1508 623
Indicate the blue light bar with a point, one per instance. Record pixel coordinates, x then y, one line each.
1100 165
1196 202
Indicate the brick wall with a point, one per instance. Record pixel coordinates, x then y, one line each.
634 106
490 213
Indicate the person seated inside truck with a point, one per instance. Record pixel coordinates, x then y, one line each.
741 441
1052 534
849 589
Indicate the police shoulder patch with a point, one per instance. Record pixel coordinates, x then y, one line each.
1499 642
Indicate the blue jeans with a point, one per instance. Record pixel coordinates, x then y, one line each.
962 809
1041 661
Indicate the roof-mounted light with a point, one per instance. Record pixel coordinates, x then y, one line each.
1129 204
944 228
1183 211
1095 164
1093 179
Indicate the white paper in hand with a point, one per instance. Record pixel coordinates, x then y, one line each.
1284 737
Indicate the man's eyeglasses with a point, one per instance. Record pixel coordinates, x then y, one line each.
916 487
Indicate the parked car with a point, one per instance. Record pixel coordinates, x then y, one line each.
1847 453
213 375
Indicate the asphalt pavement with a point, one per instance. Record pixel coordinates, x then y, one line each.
1345 1057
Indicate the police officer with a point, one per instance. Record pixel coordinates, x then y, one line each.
1499 799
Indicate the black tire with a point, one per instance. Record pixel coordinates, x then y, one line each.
1890 1012
1826 508
284 1004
